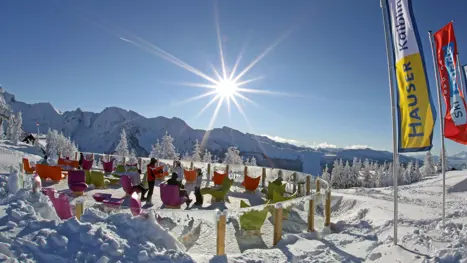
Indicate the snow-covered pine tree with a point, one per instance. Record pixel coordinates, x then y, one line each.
18 130
122 146
326 176
156 150
207 157
408 174
2 132
428 168
186 157
353 180
253 161
196 155
367 176
132 157
417 175
336 175
247 162
168 148
346 173
232 156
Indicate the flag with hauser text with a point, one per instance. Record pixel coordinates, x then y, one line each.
415 109
455 118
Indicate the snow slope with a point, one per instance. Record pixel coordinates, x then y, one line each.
362 229
99 132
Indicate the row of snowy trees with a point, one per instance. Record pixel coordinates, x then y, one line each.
165 149
14 128
372 174
57 143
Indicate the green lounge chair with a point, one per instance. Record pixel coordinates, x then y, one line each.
132 169
253 220
88 177
97 179
272 187
276 198
120 168
218 194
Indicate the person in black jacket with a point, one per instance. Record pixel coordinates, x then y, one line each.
173 181
80 162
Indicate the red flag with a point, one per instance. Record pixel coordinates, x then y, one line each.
455 118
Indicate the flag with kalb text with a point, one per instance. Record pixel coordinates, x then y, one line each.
455 118
415 110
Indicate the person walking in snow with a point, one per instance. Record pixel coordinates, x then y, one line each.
182 192
80 162
152 170
199 197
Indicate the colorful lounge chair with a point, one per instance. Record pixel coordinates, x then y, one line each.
27 168
218 194
170 196
127 186
253 220
219 177
87 164
190 176
108 166
251 184
77 181
272 187
97 179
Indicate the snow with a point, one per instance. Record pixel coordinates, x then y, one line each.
362 228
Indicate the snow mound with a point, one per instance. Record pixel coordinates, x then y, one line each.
458 187
35 234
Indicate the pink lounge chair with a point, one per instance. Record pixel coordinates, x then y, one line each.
50 192
62 206
100 197
77 181
170 195
108 166
113 202
127 186
135 204
87 164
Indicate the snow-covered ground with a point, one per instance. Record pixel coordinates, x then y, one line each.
362 229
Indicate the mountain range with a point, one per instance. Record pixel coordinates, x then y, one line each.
100 132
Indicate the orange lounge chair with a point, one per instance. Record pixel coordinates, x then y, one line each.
251 184
190 176
27 169
52 172
218 177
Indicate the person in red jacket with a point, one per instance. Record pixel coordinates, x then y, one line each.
152 170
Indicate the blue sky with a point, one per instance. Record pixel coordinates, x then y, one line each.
71 55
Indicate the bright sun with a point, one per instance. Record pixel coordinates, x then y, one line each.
226 88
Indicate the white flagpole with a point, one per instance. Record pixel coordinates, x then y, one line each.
384 10
441 126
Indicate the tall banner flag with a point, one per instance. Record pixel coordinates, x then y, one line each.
464 72
455 118
415 110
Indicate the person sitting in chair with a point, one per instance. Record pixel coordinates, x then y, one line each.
174 181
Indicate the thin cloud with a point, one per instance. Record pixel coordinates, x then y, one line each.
314 145
357 146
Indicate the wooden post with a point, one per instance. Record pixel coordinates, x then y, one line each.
76 156
245 171
227 169
191 166
79 208
277 223
221 218
308 185
311 215
327 219
318 186
263 178
208 176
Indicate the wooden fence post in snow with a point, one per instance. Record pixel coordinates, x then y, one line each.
277 223
191 166
221 220
227 169
263 178
245 171
76 156
318 187
208 176
308 184
327 210
79 208
294 176
311 215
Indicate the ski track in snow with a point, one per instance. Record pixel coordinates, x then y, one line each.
362 228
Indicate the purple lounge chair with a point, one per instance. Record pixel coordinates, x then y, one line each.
127 186
108 166
170 195
87 165
135 204
113 203
77 181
